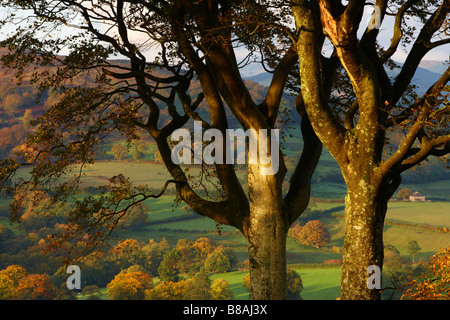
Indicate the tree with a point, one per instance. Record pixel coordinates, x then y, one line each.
314 233
129 286
203 246
199 287
220 290
153 256
119 151
413 248
127 253
219 260
354 126
6 235
295 230
404 193
138 150
168 270
434 281
294 285
9 281
151 96
36 287
99 269
396 272
168 291
158 158
12 103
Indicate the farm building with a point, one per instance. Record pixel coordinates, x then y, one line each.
416 196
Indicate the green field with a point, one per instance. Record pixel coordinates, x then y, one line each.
318 284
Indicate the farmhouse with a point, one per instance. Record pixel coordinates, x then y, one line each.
416 196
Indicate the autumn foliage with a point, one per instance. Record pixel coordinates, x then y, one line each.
434 282
314 233
129 286
16 283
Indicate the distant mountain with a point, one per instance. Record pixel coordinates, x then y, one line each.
263 79
426 74
434 66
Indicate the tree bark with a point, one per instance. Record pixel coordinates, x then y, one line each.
266 231
366 206
363 243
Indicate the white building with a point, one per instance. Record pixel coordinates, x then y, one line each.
416 196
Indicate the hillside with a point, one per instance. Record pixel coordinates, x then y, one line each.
18 104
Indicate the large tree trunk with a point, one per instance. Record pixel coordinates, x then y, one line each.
266 231
363 244
366 206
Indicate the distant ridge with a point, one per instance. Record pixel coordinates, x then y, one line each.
426 74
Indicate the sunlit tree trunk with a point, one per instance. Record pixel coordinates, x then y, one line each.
363 245
266 231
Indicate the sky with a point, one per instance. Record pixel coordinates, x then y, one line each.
385 34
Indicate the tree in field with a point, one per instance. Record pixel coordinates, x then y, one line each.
220 260
119 151
138 150
314 233
17 283
127 253
355 124
413 249
404 193
150 94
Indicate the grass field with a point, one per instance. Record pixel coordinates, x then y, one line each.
431 213
318 284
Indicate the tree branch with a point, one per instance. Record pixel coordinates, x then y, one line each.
273 97
326 126
421 46
397 34
297 198
432 90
